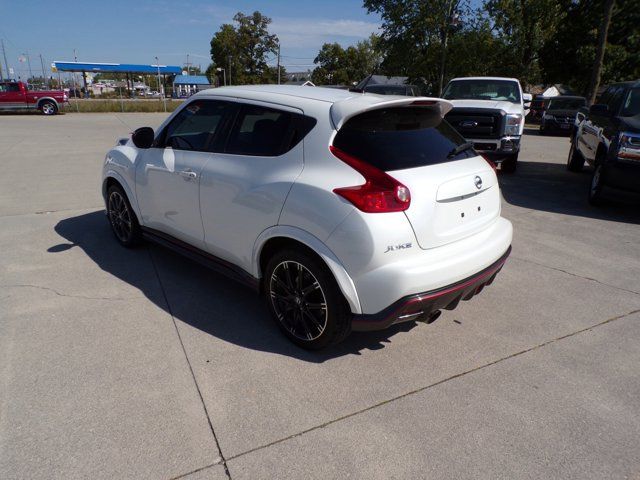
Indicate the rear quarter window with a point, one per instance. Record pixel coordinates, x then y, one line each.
266 132
401 137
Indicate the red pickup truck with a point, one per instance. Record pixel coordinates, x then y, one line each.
16 96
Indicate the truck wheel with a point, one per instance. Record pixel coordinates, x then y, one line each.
510 163
48 108
575 161
596 186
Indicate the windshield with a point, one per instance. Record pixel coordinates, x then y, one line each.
632 103
499 90
566 103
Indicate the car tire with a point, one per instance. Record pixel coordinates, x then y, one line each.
122 218
48 107
575 160
510 163
596 185
542 130
305 300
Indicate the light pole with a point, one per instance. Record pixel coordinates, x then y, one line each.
160 86
224 74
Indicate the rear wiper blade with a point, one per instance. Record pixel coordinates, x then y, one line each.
459 149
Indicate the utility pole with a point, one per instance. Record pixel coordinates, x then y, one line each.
4 54
84 76
188 65
29 64
229 68
161 87
599 59
44 77
278 63
448 22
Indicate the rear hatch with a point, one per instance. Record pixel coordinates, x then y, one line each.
453 194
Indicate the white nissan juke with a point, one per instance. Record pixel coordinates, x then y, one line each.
347 211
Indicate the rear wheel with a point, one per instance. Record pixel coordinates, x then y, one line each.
305 301
49 108
510 163
124 223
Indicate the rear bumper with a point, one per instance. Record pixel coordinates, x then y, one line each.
422 305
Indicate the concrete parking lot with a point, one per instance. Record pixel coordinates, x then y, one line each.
138 363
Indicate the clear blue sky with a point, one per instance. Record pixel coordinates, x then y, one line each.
136 31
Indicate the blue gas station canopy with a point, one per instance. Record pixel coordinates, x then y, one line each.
116 67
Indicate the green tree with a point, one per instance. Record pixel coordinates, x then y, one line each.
568 56
414 33
243 49
524 26
339 66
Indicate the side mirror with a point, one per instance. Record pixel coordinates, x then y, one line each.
526 99
599 109
143 137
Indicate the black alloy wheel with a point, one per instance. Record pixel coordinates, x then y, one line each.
298 300
305 300
121 217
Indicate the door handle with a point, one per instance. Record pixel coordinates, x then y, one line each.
188 174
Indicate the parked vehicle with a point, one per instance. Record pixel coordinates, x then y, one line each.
560 114
347 211
407 90
608 138
538 105
489 112
17 96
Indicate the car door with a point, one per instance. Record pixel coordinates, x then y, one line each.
11 97
244 187
168 174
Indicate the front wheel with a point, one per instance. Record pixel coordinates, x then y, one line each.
597 185
123 220
49 108
510 163
305 301
575 161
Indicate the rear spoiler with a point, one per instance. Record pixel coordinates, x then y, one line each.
343 110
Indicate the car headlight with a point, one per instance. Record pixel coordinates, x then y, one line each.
549 117
629 146
513 124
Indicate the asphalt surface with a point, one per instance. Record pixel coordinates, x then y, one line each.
120 363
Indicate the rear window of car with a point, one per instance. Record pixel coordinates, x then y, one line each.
401 137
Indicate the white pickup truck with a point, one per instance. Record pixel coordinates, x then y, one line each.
489 112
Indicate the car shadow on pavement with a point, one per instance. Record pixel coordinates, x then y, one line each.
197 296
551 187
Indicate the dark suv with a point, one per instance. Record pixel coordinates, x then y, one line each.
560 113
608 138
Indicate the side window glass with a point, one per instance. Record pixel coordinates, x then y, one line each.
195 127
261 131
616 100
606 96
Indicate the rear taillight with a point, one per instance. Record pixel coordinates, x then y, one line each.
380 193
